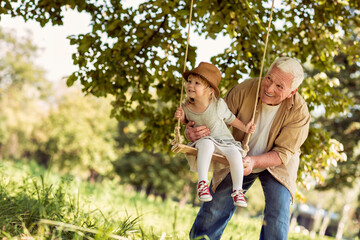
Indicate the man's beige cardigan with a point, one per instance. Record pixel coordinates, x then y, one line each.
288 131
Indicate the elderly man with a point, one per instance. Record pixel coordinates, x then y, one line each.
282 120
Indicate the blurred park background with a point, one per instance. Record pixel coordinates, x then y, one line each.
84 140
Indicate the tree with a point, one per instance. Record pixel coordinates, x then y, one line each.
137 55
78 135
37 121
342 178
23 90
154 172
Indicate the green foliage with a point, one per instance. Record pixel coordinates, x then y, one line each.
346 127
342 177
78 136
48 121
22 94
136 54
325 92
154 172
318 160
157 173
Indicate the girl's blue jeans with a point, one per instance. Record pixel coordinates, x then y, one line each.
213 216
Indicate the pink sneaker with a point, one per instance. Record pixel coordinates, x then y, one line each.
239 198
204 192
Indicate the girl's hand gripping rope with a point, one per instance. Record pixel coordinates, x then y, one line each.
179 114
250 127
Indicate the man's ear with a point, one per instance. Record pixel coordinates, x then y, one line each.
292 93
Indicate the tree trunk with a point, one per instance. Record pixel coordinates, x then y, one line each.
186 195
341 226
324 225
317 220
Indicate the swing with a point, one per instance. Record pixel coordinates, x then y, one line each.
178 146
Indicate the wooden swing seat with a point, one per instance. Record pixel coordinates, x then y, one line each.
182 148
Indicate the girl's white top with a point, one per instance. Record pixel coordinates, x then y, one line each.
215 117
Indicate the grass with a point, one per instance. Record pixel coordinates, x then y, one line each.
39 204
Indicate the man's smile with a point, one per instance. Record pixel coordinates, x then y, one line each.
267 94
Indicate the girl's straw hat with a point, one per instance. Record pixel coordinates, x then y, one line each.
208 72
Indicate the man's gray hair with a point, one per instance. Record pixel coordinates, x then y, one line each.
290 65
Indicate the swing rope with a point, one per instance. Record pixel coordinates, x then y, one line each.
245 146
178 138
247 137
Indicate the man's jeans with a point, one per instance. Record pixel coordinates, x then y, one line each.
213 216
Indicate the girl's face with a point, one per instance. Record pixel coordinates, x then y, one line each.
197 88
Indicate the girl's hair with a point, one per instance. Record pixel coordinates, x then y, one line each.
206 83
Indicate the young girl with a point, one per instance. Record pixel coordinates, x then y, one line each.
203 106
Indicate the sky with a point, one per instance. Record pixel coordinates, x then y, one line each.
55 49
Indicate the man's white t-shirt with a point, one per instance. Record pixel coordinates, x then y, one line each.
258 141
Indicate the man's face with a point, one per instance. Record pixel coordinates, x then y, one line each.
276 87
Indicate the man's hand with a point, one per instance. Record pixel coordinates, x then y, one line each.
248 165
195 133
